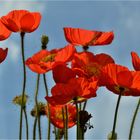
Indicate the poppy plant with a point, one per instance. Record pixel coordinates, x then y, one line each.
45 60
3 54
119 79
4 32
56 115
135 61
21 21
78 89
87 64
85 38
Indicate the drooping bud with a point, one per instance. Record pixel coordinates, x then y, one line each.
41 110
44 41
84 117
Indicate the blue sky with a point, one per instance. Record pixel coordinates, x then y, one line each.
122 17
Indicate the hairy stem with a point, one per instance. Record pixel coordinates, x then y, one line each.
133 120
26 120
24 83
115 116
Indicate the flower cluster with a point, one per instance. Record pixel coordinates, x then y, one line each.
77 75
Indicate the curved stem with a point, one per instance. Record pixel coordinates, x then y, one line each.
49 123
36 102
24 83
26 120
133 120
34 129
115 116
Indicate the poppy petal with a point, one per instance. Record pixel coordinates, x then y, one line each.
61 74
37 19
26 22
3 54
4 32
135 61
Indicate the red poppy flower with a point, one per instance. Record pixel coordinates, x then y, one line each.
56 115
135 61
77 36
76 88
119 79
87 64
61 74
3 54
4 32
22 20
45 60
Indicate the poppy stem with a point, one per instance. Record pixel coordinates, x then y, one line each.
85 103
78 123
133 120
115 116
34 129
39 126
49 123
26 120
55 133
66 122
36 102
22 34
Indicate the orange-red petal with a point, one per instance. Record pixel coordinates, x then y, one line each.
3 54
4 32
135 61
21 20
78 36
61 74
56 115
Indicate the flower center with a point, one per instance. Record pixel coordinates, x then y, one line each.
93 70
121 89
49 58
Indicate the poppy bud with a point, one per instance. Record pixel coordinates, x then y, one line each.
44 41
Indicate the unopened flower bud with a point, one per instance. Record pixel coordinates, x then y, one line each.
44 41
18 100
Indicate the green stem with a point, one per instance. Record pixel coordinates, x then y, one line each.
115 116
85 103
34 129
39 126
45 83
55 133
36 102
78 123
133 120
24 83
26 120
66 122
49 123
